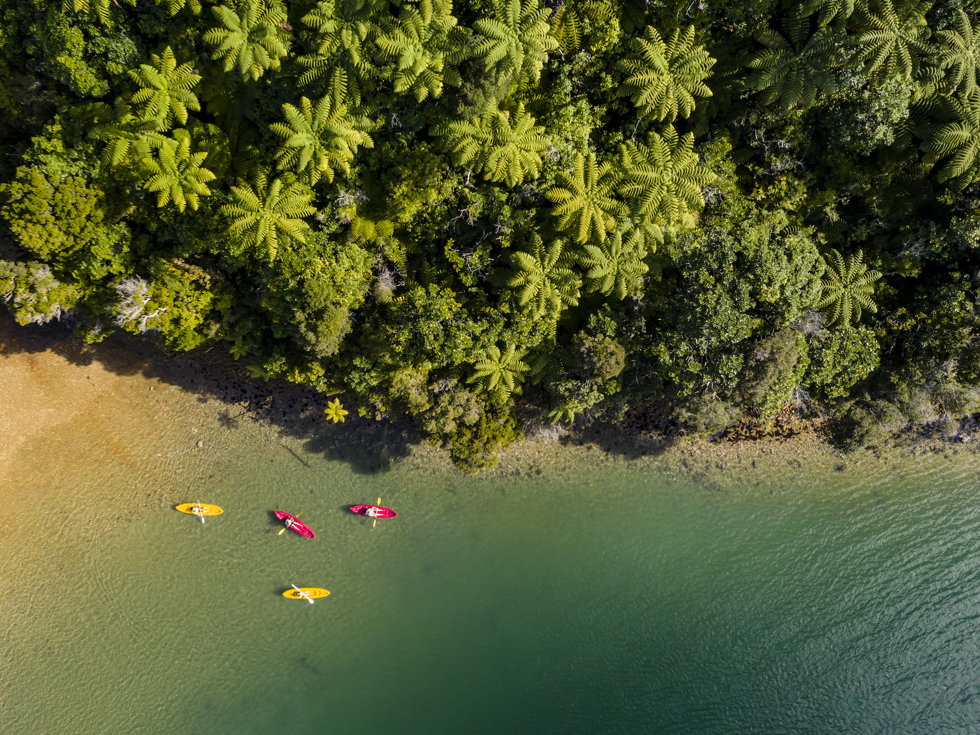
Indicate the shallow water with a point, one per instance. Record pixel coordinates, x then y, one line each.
611 600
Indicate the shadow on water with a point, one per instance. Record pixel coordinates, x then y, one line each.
367 446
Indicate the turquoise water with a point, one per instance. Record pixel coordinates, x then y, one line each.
618 602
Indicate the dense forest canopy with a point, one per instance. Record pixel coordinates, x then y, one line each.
498 214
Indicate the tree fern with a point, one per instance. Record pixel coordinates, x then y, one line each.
251 37
505 147
544 282
165 90
847 288
891 42
266 213
501 373
835 12
663 178
614 268
791 69
515 40
317 139
585 203
98 8
959 54
126 136
425 46
665 79
959 139
176 174
342 37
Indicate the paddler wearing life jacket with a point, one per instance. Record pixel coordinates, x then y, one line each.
373 512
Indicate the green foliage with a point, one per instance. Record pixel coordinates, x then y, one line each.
251 36
505 147
773 369
342 38
311 292
892 40
959 139
500 374
792 68
51 218
666 79
176 175
663 178
515 40
494 211
33 293
266 212
165 90
614 267
840 359
544 281
847 287
959 54
585 203
479 446
425 47
317 139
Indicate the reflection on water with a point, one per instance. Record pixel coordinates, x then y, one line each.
609 600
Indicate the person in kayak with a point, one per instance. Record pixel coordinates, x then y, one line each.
289 522
373 512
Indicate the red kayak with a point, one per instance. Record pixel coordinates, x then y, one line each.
291 522
378 511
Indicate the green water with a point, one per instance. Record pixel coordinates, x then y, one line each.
618 602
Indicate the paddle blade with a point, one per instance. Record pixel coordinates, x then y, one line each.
281 532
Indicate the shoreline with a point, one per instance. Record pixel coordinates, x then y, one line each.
50 358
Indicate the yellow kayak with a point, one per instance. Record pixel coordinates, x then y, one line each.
308 593
200 509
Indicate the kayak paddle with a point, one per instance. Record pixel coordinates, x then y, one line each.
376 520
301 593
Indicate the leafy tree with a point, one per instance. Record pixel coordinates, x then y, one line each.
791 69
266 212
251 37
501 373
663 178
506 147
317 139
176 174
425 46
34 294
545 281
959 54
585 203
165 90
959 139
847 287
891 42
614 267
51 217
665 79
515 40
